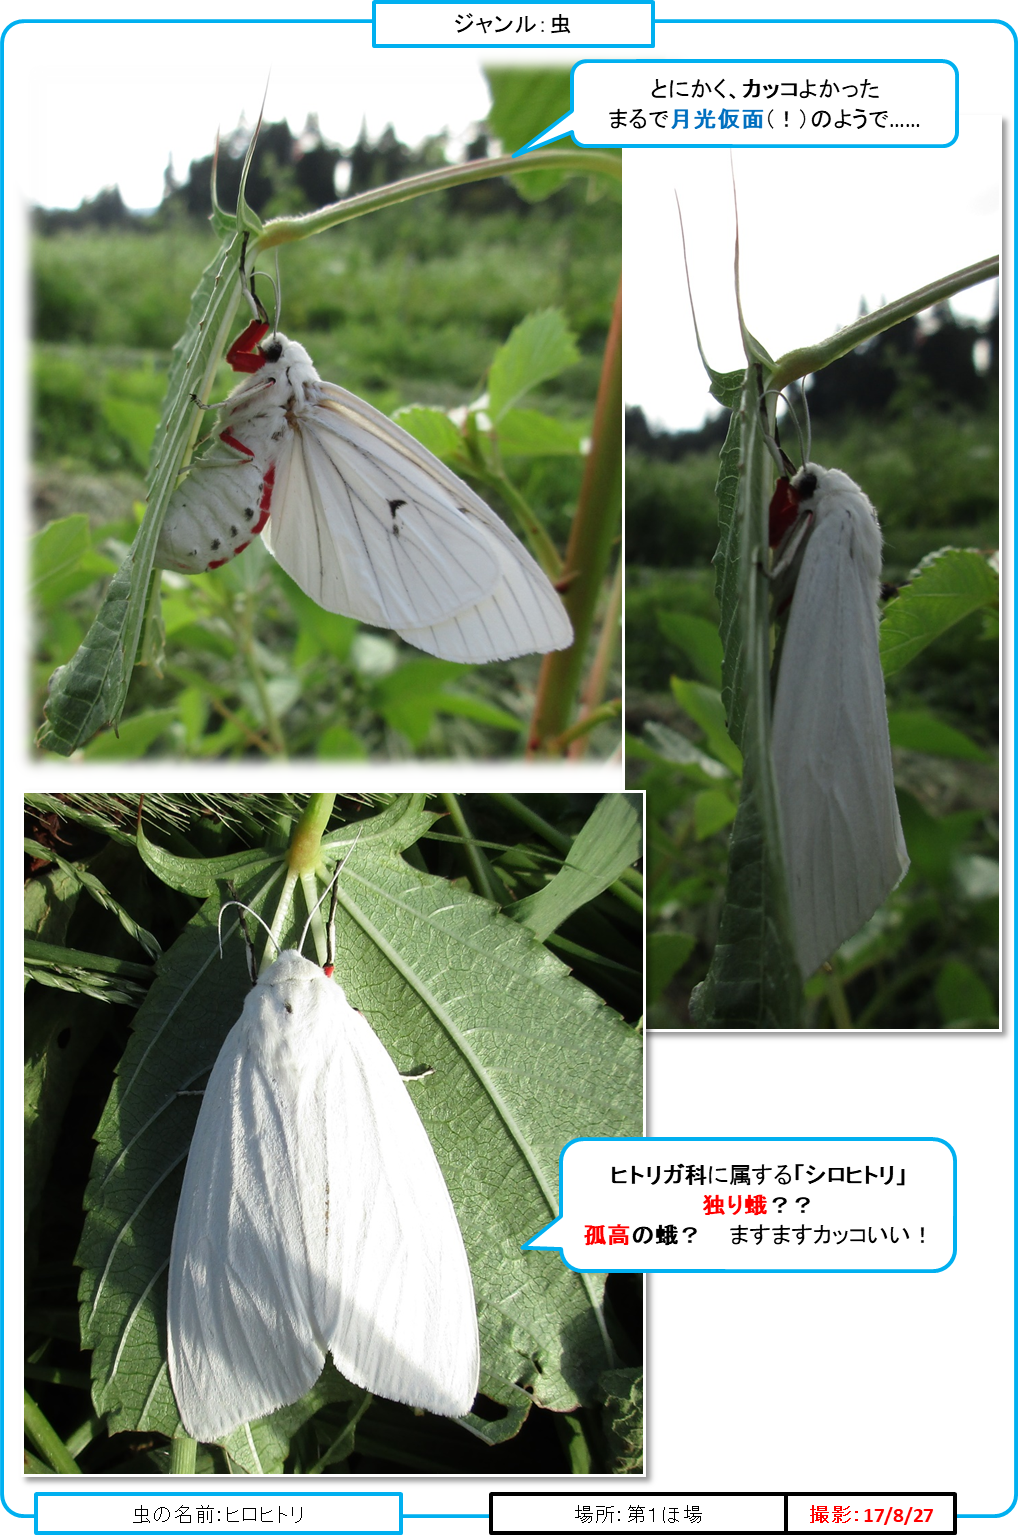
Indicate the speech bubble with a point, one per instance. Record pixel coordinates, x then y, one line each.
776 103
760 1204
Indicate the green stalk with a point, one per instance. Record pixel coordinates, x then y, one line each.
306 842
342 1446
576 736
534 531
479 870
247 641
283 231
183 1455
47 1441
592 706
810 359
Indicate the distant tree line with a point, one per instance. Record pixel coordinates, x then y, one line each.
950 362
290 173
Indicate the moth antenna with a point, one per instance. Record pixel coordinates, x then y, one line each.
774 447
334 888
278 291
330 933
252 966
247 283
808 452
261 311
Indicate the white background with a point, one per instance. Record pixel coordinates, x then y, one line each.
755 1382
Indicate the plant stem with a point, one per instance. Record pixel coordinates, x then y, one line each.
183 1455
810 359
247 641
282 231
47 1441
478 863
342 1446
594 530
591 706
577 735
838 1002
306 842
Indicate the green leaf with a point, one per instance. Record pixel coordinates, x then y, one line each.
62 561
962 996
91 690
410 697
532 434
134 738
919 730
948 586
524 102
622 1419
698 639
607 845
319 632
57 1040
753 980
674 747
703 705
666 954
523 1056
339 744
467 707
135 422
433 428
713 809
538 348
934 843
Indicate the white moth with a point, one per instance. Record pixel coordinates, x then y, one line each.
360 514
842 838
313 1219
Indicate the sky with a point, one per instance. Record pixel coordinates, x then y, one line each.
823 232
101 121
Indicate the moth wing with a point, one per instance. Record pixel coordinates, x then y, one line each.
395 538
365 526
524 613
398 1312
841 832
241 1340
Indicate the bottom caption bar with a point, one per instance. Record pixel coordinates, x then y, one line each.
60 1513
722 1513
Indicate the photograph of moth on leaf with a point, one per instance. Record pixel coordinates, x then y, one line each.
475 537
324 1121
